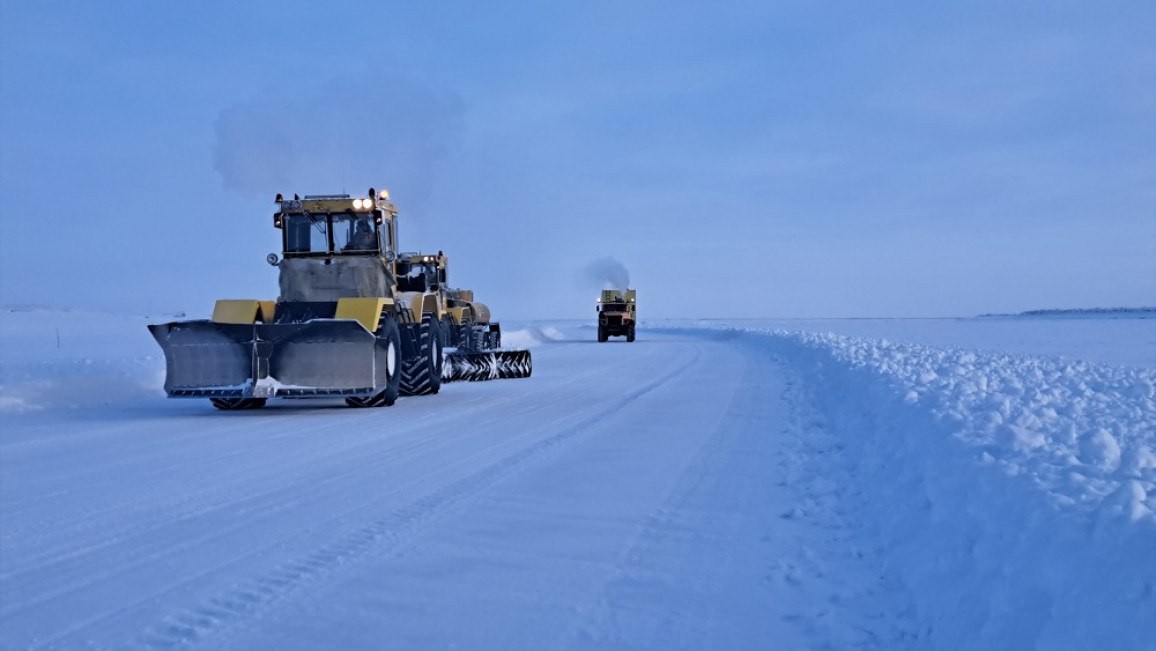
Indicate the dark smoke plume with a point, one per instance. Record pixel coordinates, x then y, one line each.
609 273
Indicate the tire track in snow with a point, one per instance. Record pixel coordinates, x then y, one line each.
641 567
192 505
323 482
380 535
786 492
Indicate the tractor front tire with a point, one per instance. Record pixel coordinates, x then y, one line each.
422 376
389 337
630 334
602 334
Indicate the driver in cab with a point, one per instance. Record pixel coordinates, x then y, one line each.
362 239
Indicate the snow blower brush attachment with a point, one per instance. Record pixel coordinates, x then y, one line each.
477 366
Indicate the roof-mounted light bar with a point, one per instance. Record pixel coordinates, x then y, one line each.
360 203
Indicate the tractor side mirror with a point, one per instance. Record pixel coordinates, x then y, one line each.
273 259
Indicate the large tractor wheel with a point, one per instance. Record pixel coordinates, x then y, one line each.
423 375
232 404
602 334
388 336
630 333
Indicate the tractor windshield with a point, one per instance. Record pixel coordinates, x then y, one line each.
325 233
421 277
307 233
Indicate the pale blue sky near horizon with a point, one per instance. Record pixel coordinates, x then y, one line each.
747 159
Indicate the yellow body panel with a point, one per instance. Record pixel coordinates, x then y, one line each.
456 314
421 303
268 309
240 311
366 310
430 304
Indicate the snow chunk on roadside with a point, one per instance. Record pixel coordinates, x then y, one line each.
1100 450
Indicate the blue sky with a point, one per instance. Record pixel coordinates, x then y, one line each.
756 159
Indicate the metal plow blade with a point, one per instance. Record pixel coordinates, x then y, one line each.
488 365
203 358
321 358
316 358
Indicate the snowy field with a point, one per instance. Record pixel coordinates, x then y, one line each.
893 484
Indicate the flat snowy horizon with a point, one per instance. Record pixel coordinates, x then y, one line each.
884 483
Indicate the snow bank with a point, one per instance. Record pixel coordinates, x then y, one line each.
1012 496
1112 341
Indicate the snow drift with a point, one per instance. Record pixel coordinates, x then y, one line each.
1012 496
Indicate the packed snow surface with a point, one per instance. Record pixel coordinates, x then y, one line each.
974 483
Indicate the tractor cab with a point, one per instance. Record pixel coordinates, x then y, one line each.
330 226
418 272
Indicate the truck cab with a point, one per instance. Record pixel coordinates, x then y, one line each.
617 314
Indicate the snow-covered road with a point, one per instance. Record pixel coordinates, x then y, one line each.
625 496
708 486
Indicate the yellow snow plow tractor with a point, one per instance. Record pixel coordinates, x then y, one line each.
342 326
616 314
473 342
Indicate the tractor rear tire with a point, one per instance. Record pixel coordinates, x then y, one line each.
234 404
422 376
389 336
